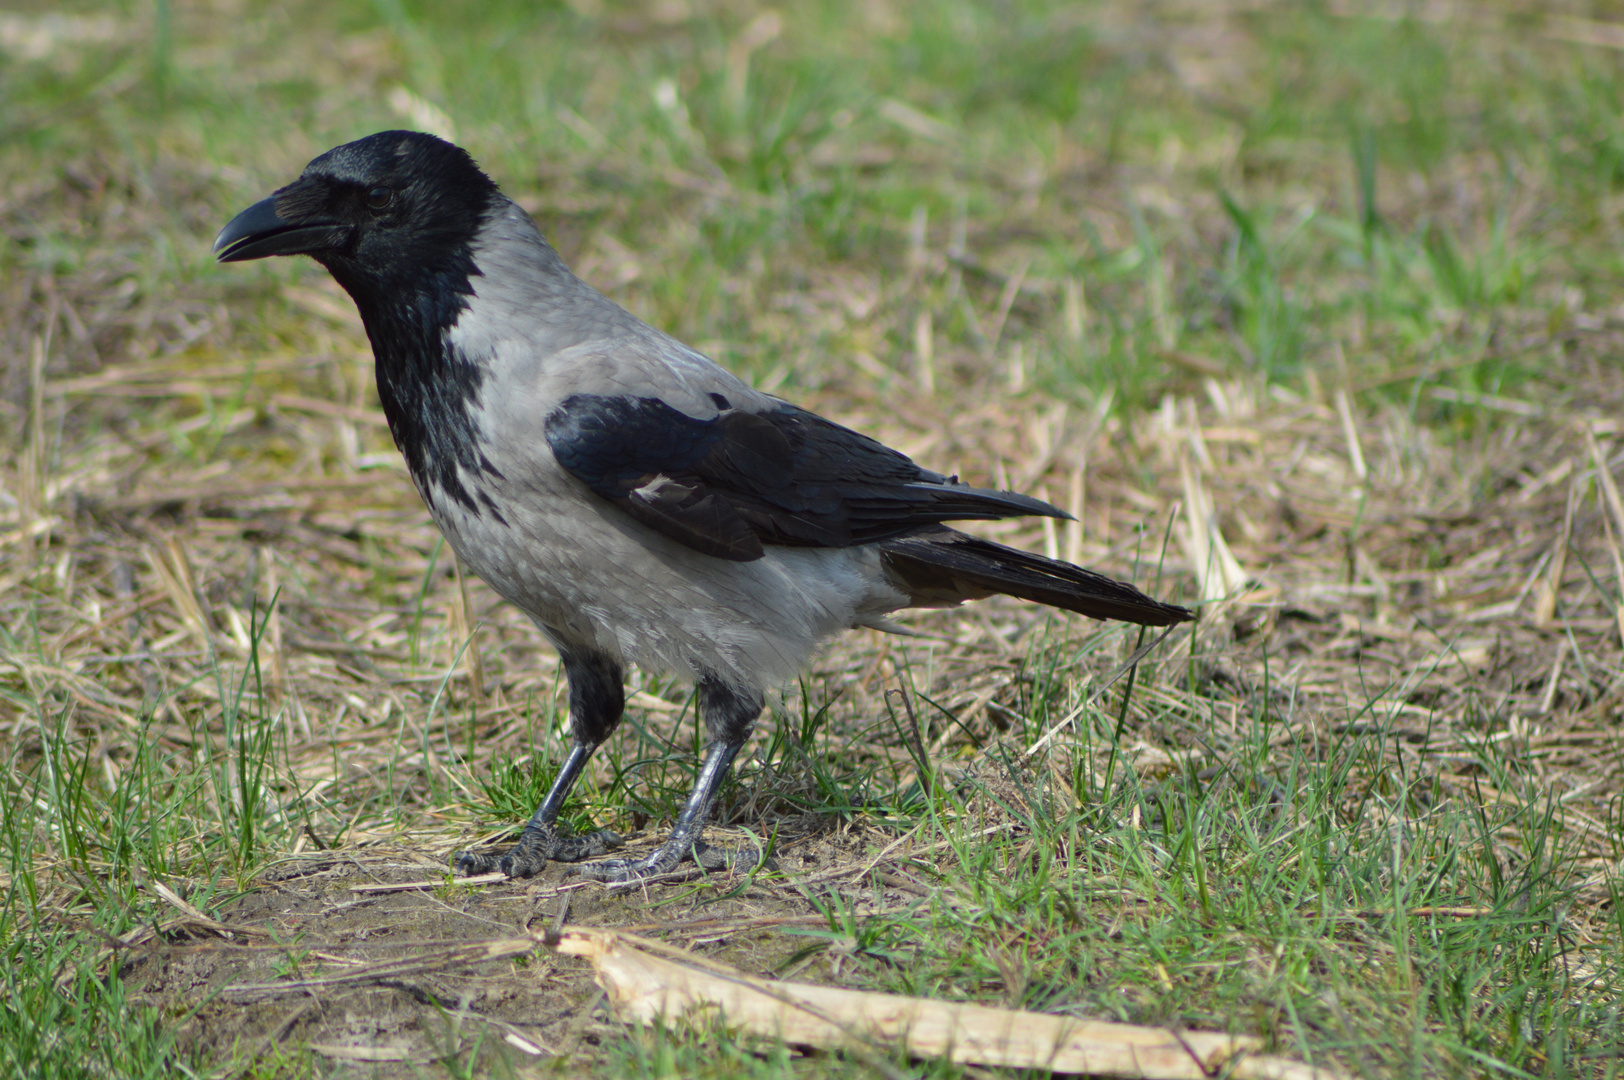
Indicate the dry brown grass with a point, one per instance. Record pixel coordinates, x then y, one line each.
1413 587
1426 588
1398 575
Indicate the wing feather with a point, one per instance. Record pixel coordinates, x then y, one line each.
728 484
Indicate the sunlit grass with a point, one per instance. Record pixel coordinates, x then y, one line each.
897 212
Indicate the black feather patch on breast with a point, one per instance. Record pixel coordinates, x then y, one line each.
429 413
732 483
429 388
411 291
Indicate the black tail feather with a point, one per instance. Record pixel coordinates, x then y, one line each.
944 566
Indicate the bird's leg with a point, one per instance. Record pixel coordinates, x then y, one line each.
730 713
597 700
684 834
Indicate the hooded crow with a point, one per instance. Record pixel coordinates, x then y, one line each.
641 504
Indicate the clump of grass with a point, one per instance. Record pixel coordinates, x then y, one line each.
62 1018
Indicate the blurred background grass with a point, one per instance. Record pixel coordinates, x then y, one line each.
921 217
1245 187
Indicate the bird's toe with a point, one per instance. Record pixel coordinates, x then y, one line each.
610 871
589 846
666 858
527 858
627 871
472 863
522 864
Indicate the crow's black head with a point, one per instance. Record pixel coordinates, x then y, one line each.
394 217
391 204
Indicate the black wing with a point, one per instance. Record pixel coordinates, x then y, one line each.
727 485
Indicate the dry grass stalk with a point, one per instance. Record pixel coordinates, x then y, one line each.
1075 310
1618 569
1612 520
271 641
649 981
1217 571
175 574
39 463
1076 492
463 631
1350 432
1554 680
1006 300
1545 604
924 352
34 463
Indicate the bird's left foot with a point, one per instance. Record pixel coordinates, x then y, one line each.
667 857
536 846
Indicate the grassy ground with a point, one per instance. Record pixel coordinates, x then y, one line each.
1310 311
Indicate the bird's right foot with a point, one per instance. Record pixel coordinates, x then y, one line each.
536 846
664 859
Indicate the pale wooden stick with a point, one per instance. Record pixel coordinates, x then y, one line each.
648 981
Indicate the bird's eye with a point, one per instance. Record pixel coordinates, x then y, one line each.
379 198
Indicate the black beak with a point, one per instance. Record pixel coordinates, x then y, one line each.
260 231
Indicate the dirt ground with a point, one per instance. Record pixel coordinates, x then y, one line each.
351 956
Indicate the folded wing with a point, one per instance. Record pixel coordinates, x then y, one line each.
729 484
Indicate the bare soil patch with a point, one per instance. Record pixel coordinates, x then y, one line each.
309 957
